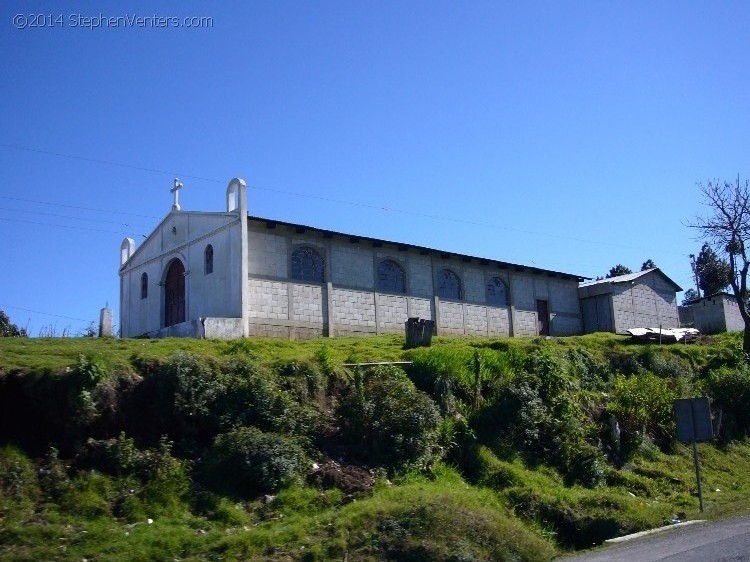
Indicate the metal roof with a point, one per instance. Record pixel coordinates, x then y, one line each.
628 278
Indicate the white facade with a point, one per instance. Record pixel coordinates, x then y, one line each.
260 294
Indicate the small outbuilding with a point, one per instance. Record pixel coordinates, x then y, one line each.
638 300
716 313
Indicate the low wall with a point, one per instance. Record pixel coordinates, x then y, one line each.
203 328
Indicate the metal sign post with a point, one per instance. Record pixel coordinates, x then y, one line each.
693 419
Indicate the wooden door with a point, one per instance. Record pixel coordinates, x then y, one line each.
542 315
174 294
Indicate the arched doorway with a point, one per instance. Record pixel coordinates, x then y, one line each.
174 294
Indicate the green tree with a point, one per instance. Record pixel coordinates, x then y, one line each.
713 272
8 329
648 264
727 231
689 296
617 270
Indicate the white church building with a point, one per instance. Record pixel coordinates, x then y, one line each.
229 274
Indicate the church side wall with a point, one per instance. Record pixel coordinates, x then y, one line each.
347 303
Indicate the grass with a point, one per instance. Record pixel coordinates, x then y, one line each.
50 355
421 518
511 507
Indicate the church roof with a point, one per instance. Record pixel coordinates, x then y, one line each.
300 228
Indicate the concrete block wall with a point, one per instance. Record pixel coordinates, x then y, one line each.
717 314
474 284
352 265
499 323
565 325
476 320
391 311
525 324
649 302
267 255
732 316
709 315
419 274
347 302
307 304
522 291
353 311
451 318
268 299
420 308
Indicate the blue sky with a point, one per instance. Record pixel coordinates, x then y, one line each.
565 135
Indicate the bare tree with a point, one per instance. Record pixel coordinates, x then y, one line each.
727 230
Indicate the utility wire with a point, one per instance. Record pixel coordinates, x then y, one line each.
65 226
76 207
105 162
66 216
4 306
322 198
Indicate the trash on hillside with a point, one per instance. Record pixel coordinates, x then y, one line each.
664 335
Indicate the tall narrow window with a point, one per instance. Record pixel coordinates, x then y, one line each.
391 277
449 285
308 265
144 286
497 292
209 259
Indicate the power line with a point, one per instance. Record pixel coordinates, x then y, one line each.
64 226
76 207
105 162
316 197
44 313
65 216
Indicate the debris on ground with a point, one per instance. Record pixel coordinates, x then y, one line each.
664 335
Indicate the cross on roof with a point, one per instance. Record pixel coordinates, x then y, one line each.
175 189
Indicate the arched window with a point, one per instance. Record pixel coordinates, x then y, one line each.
449 285
391 277
497 292
144 286
308 265
208 260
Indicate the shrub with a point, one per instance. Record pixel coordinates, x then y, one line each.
667 365
196 388
460 377
18 478
729 387
255 397
303 378
389 421
246 462
166 479
592 374
642 404
53 476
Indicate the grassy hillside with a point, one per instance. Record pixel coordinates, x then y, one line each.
505 449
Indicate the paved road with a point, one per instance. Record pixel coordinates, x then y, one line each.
725 541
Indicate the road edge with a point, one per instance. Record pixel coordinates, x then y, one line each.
652 531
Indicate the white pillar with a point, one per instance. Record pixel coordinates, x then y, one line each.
237 202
